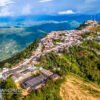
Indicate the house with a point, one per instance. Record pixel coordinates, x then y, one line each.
5 70
98 38
89 22
17 77
50 74
35 83
39 81
5 75
54 76
20 77
46 72
1 75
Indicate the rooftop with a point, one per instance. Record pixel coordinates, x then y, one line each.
35 81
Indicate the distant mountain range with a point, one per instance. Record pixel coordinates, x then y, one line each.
78 17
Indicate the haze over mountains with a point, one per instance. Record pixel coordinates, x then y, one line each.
16 33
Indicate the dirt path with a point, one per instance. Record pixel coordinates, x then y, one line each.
76 89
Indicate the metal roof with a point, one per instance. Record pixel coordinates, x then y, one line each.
35 81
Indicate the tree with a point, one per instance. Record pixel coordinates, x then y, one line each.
11 88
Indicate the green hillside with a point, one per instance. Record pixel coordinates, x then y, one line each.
82 60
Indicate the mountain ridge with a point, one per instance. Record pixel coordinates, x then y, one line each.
74 52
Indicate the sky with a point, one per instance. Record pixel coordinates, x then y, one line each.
50 7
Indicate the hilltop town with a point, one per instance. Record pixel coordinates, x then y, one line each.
27 75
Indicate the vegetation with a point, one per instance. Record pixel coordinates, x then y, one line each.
77 88
57 41
81 26
95 29
82 60
10 92
49 92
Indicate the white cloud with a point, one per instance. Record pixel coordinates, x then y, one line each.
90 1
66 12
5 2
4 7
42 1
5 12
27 9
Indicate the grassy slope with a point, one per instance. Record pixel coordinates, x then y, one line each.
75 88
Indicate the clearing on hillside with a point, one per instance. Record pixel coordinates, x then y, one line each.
74 88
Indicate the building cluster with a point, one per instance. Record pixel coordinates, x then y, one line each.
29 77
57 41
34 83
